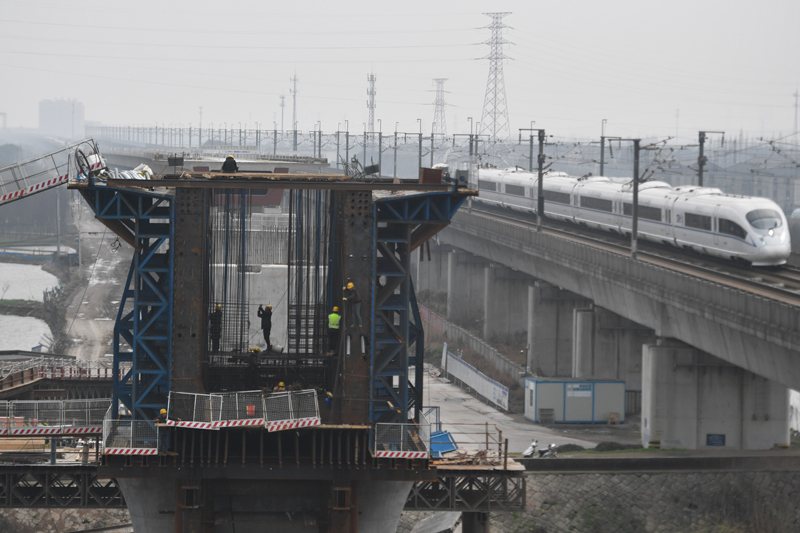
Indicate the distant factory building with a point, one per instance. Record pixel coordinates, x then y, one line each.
63 118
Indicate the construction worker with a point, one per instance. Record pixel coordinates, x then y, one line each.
164 436
333 330
266 323
280 387
230 165
216 328
352 297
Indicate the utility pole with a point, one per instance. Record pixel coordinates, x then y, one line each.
199 131
635 223
293 90
701 158
540 180
283 105
371 106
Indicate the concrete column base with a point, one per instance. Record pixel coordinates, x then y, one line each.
475 523
693 400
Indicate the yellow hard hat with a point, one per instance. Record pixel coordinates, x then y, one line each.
230 155
330 395
269 307
350 285
219 307
335 309
163 411
281 384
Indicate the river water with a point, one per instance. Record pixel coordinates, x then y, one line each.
24 282
22 332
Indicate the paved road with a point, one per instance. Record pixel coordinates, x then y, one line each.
91 313
462 414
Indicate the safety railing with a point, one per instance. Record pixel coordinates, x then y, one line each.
277 411
53 417
244 408
291 409
59 368
129 437
403 441
197 411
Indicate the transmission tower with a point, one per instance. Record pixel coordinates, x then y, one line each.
439 122
293 90
371 101
495 110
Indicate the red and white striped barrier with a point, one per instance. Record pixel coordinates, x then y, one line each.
130 451
244 423
88 430
283 425
194 425
41 430
401 455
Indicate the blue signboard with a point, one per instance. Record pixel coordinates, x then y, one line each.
715 440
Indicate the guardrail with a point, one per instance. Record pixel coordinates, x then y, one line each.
53 417
277 411
403 441
59 368
130 437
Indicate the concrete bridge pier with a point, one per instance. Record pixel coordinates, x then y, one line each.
465 281
550 328
608 346
505 303
430 273
693 400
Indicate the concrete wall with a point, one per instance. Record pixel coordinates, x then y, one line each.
657 502
551 329
689 396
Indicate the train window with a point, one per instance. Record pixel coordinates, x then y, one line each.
645 211
728 227
487 185
517 190
596 203
557 197
698 221
764 218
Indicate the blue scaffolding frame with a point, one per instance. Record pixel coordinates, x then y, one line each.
402 223
145 220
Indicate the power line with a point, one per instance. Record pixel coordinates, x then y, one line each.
495 110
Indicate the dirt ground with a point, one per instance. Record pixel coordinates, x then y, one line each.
93 307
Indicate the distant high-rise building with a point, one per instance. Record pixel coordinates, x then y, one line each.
62 118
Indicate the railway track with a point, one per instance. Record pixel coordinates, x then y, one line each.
777 283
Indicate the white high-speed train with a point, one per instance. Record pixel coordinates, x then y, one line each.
700 218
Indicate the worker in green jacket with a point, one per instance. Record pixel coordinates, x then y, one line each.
333 329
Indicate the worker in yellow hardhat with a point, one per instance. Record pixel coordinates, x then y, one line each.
216 328
230 165
280 387
333 330
266 323
352 297
162 417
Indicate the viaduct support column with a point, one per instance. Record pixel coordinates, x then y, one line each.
430 272
691 399
504 304
608 346
475 522
550 328
465 279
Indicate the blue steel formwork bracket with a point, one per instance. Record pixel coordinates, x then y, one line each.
142 374
402 223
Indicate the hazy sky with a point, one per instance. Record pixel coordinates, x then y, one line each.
725 64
